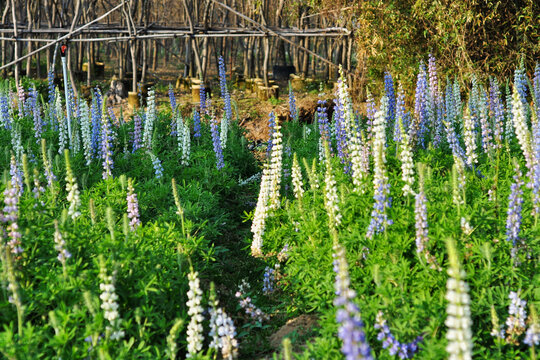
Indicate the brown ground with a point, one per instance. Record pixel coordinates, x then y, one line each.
301 325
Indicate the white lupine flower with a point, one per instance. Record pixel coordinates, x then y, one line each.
62 124
223 333
520 126
459 181
357 161
86 130
186 146
407 164
109 305
60 245
458 312
195 336
297 179
261 213
72 190
179 130
331 200
224 131
276 167
470 139
150 118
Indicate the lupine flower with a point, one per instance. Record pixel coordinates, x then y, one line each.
435 105
261 213
109 304
470 139
96 110
12 286
246 303
62 126
72 190
156 163
195 335
521 83
21 98
458 319
419 126
271 126
224 132
509 113
132 206
343 122
400 116
5 118
532 336
379 218
459 181
535 180
331 200
521 128
202 95
536 87
390 94
324 129
276 167
196 123
457 98
16 176
484 122
37 189
150 118
11 210
60 245
218 150
224 90
137 129
422 231
312 174
496 109
223 333
371 110
403 350
517 315
51 87
106 147
172 101
351 328
297 179
51 178
407 163
292 104
86 131
515 203
184 140
269 279
283 254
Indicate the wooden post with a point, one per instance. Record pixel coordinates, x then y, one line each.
16 44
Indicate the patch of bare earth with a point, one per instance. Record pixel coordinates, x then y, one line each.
300 325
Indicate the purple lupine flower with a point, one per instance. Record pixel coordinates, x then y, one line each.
400 114
484 122
341 132
515 202
217 143
5 118
497 111
403 350
196 123
21 98
390 94
419 127
11 209
436 104
51 87
137 132
16 176
453 142
292 104
271 125
224 91
132 206
172 101
351 328
36 112
451 111
96 110
106 147
379 217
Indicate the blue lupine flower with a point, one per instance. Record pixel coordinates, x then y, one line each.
390 94
172 101
137 132
322 118
535 180
271 125
5 118
351 328
515 202
36 112
292 104
403 350
371 110
269 279
196 123
158 168
51 87
217 143
520 82
224 91
457 98
95 111
379 218
202 95
484 123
